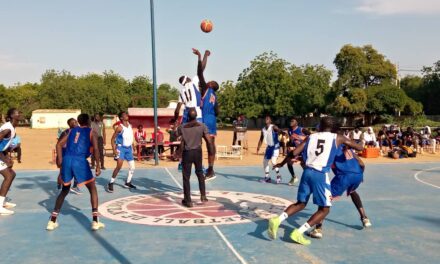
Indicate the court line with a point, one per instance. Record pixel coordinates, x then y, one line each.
419 180
222 236
174 179
230 246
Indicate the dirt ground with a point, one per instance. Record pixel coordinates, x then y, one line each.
38 146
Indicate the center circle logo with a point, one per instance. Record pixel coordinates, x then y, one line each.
165 209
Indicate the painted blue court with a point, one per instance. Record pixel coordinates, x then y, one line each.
401 200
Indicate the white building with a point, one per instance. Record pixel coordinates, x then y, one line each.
52 118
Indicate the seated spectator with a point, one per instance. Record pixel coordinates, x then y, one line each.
392 135
427 139
15 147
369 137
382 138
410 138
140 136
356 134
346 133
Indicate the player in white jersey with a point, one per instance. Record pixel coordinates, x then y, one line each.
318 151
122 145
7 134
270 136
190 97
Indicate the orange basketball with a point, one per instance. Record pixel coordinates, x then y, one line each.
206 25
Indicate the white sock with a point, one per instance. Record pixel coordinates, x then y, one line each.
2 200
130 175
304 228
112 180
283 216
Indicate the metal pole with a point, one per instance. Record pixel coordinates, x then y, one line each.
153 50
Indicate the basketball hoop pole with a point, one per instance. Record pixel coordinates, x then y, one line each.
153 50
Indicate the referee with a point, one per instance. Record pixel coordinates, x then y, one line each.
192 133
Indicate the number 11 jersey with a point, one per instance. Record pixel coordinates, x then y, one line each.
320 151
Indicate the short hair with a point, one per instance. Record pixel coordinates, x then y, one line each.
140 126
214 85
121 114
83 119
327 123
70 120
181 78
192 114
10 113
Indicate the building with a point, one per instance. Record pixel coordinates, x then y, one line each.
52 118
145 116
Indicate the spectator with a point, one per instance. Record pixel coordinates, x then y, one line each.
173 137
140 137
401 151
427 139
369 137
346 133
356 134
99 128
160 139
410 138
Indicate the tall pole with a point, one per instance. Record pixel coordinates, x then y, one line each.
153 50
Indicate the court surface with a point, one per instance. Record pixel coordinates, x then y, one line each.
402 201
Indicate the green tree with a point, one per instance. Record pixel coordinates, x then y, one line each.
226 97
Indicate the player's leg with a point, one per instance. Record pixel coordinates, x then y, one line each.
8 177
187 162
273 160
119 163
101 151
131 168
199 172
210 175
266 168
52 224
96 224
358 203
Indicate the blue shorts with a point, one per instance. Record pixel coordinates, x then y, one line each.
78 168
345 182
211 123
125 153
316 183
271 152
185 117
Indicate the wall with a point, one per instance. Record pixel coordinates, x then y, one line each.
51 120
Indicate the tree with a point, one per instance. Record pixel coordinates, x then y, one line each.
226 97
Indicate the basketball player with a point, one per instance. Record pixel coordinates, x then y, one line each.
123 151
318 152
7 134
348 169
269 134
74 165
297 135
209 109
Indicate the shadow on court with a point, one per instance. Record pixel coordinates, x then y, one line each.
44 183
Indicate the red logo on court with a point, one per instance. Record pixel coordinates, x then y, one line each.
164 209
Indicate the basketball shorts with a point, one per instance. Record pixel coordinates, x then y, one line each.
316 183
345 182
76 167
272 153
211 123
125 153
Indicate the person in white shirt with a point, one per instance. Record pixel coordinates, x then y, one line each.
356 134
370 138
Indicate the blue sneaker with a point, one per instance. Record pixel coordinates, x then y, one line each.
179 167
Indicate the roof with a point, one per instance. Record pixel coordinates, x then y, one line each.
56 111
150 111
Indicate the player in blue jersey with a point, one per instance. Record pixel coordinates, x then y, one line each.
7 134
123 148
297 135
319 152
348 169
74 165
269 134
209 106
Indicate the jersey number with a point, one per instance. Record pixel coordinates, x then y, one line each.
320 147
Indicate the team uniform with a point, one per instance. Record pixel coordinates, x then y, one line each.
124 143
348 172
6 142
190 96
296 136
209 102
75 164
272 151
319 154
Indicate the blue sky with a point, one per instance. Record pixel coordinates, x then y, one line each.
84 36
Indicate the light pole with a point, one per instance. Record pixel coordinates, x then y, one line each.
153 51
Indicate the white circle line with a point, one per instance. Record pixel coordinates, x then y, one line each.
416 176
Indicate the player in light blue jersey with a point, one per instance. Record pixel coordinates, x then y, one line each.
319 152
7 134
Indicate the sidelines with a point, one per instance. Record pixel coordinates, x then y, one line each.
417 178
222 236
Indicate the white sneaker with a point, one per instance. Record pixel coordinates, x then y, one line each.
51 225
4 211
316 233
9 205
97 225
366 223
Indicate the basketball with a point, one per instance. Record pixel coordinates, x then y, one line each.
206 26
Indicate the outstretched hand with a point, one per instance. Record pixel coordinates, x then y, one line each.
196 51
207 53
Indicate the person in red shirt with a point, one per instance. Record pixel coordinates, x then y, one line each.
160 139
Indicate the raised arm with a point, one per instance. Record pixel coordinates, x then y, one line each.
200 69
350 143
205 59
177 111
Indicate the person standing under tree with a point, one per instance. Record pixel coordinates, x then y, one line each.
99 127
